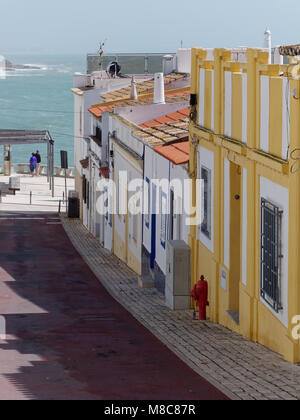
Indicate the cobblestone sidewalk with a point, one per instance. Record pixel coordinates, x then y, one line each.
238 367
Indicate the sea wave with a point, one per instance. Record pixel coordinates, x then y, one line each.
40 66
22 73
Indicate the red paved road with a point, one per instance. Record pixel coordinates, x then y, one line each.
67 337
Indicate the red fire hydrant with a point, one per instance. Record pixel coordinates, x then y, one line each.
200 295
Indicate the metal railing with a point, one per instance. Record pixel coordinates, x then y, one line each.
62 202
24 169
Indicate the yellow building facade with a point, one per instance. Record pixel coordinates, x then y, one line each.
245 140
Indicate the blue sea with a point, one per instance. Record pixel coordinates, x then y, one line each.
41 100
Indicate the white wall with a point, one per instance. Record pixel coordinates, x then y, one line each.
156 167
286 97
201 97
148 174
162 171
124 134
228 103
245 107
184 60
264 112
181 230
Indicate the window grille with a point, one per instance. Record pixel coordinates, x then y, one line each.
271 218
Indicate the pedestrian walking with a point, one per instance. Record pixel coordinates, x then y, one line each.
38 162
33 164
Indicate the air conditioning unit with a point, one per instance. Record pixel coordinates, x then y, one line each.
178 277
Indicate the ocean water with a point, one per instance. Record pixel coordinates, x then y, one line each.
41 100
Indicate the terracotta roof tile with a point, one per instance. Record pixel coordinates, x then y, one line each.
183 147
97 110
165 130
174 117
150 124
164 120
177 153
185 112
142 87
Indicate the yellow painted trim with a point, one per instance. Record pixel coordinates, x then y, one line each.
275 121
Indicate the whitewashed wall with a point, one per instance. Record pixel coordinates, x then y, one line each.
184 60
245 107
201 97
286 108
264 112
162 171
148 175
228 103
181 227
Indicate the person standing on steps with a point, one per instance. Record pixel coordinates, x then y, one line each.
38 162
33 164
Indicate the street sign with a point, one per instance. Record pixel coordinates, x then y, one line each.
64 159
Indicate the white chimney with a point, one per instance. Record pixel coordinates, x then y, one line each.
159 88
268 43
133 92
278 58
168 64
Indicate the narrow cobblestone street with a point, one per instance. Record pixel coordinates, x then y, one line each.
240 368
67 338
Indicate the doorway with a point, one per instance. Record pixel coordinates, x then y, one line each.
235 241
153 228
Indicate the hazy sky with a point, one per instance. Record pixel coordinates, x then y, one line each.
76 26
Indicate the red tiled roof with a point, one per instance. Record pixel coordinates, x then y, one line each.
178 153
175 116
183 147
142 87
97 110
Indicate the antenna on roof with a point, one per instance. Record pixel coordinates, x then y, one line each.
101 53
